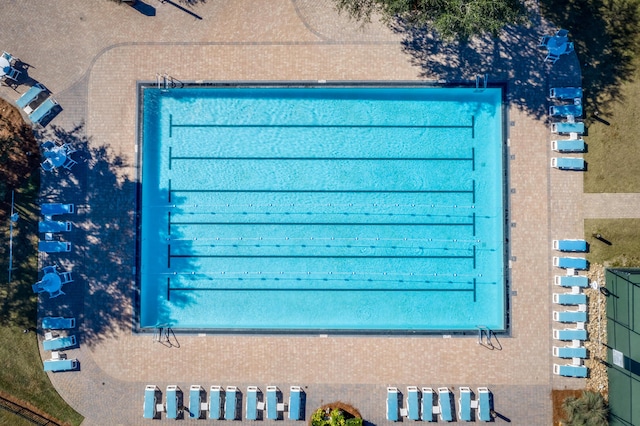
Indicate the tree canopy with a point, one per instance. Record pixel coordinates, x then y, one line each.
450 18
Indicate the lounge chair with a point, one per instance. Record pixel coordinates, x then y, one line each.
30 96
215 402
295 403
571 280
54 246
444 404
43 110
413 404
272 402
567 163
570 370
464 404
574 110
149 407
568 145
230 403
569 352
195 402
52 209
570 262
578 333
60 364
53 226
484 405
579 315
252 403
427 405
58 343
172 402
565 92
392 404
569 299
567 127
570 245
58 323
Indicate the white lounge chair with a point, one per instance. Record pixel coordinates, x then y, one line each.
570 370
392 404
570 262
172 407
29 96
231 403
570 245
54 246
295 403
196 404
571 281
566 127
569 351
427 404
444 404
464 404
413 403
58 323
43 110
565 92
252 403
150 408
215 402
568 145
484 405
577 333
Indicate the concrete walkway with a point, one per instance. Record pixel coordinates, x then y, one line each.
91 54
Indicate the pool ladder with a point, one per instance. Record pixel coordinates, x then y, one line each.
482 79
166 82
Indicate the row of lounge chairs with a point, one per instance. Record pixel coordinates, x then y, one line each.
48 226
421 406
223 403
570 111
576 335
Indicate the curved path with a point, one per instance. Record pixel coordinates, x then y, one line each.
90 55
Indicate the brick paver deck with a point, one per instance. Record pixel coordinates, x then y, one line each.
90 55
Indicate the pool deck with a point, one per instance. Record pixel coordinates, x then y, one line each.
90 55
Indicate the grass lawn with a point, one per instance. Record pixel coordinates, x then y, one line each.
22 377
614 146
623 236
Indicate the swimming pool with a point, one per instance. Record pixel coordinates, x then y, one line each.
322 208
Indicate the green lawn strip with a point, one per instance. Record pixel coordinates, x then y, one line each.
7 418
613 149
624 236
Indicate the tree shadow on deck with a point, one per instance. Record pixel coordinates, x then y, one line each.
104 293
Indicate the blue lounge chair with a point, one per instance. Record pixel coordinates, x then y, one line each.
568 163
53 226
464 404
570 316
60 364
570 262
484 405
272 402
568 127
230 403
252 403
52 209
565 92
413 404
569 299
43 110
215 402
444 404
574 110
172 402
54 246
570 352
570 334
427 405
569 370
58 323
295 403
149 406
29 96
392 404
59 343
568 145
572 280
195 401
570 245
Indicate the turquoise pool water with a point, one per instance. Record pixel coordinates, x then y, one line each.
322 209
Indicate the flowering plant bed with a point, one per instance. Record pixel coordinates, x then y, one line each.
336 414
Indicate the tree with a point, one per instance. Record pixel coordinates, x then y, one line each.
450 18
587 410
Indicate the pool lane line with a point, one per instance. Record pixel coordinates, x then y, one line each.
318 256
170 125
169 188
190 158
331 191
391 289
168 289
328 126
472 224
